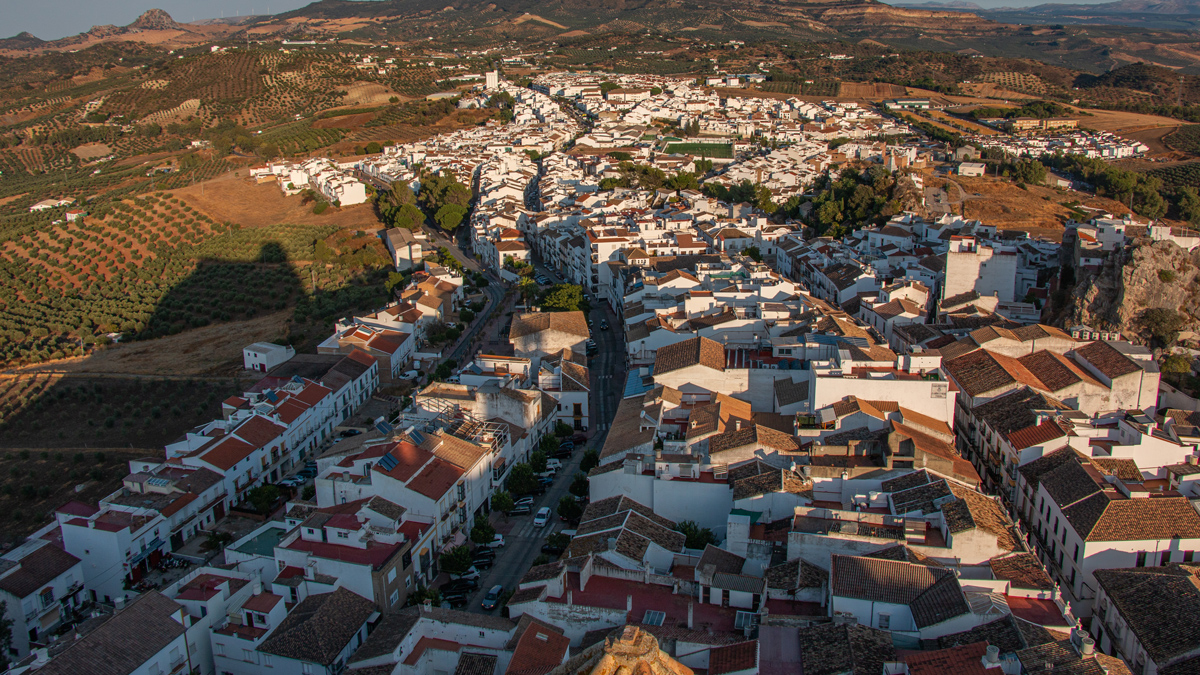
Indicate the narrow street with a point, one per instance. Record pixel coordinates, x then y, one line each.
523 541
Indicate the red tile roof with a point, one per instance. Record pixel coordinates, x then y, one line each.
1036 435
538 651
409 458
259 431
227 452
436 478
263 602
732 658
964 660
375 554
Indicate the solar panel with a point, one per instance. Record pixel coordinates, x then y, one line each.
297 380
383 427
745 620
416 436
272 397
654 618
388 462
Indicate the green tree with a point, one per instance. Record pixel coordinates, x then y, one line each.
422 594
1176 364
570 509
754 254
502 501
1189 205
5 634
607 86
483 532
521 480
562 298
456 561
373 148
450 216
562 429
558 540
1162 324
696 537
216 540
537 460
263 497
579 485
591 460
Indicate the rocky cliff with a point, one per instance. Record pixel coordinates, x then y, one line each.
1144 276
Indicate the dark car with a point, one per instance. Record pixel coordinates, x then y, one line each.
483 563
552 550
492 598
350 432
569 445
579 439
604 325
521 511
483 552
456 599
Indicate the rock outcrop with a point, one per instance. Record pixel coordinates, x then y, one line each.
1143 276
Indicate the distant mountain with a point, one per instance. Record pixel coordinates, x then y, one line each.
22 41
155 19
1172 7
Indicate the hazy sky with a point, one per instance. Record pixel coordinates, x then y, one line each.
53 19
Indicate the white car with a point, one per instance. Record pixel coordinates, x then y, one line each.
542 517
524 501
471 573
553 465
497 542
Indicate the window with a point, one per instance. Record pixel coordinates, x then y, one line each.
391 575
306 668
1141 559
155 669
248 655
1076 554
1189 556
1165 559
394 598
408 581
220 648
266 661
343 535
885 621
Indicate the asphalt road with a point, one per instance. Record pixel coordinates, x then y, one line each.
524 543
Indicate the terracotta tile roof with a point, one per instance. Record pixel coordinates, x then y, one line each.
436 478
902 553
319 627
844 649
1022 569
410 459
932 594
754 434
988 516
1037 470
914 419
717 560
1141 595
37 569
694 351
469 663
1122 467
1015 410
1065 660
459 452
963 469
1038 435
733 658
125 642
796 574
1107 359
908 480
961 660
983 371
1055 371
1004 633
538 651
1099 518
788 392
573 323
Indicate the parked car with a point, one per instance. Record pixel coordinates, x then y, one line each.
553 465
542 517
493 597
350 432
497 542
552 550
524 501
589 323
604 325
459 586
471 574
521 511
483 552
579 439
483 562
456 599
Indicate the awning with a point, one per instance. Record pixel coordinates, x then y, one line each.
457 540
146 552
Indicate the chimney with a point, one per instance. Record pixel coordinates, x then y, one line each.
1191 459
41 656
737 425
691 609
628 603
1088 648
119 603
427 606
992 658
570 598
